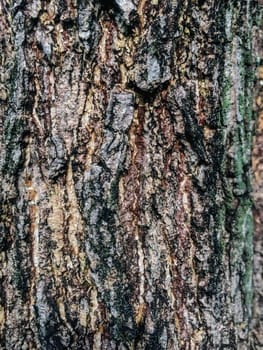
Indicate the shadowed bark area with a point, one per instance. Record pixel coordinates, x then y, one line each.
126 137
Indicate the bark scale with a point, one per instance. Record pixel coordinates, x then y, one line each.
126 217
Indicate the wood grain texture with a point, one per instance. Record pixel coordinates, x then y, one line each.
126 140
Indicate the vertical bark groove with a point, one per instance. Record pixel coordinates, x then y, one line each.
126 137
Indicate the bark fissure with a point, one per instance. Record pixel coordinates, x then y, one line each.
126 136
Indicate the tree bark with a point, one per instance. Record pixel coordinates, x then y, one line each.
126 214
257 161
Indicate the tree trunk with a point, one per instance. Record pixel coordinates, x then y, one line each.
126 218
257 161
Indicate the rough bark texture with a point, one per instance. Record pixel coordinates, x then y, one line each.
126 136
258 193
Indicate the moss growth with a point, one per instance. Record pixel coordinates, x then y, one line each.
235 166
247 258
241 217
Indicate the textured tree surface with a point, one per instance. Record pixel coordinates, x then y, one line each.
258 194
126 141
